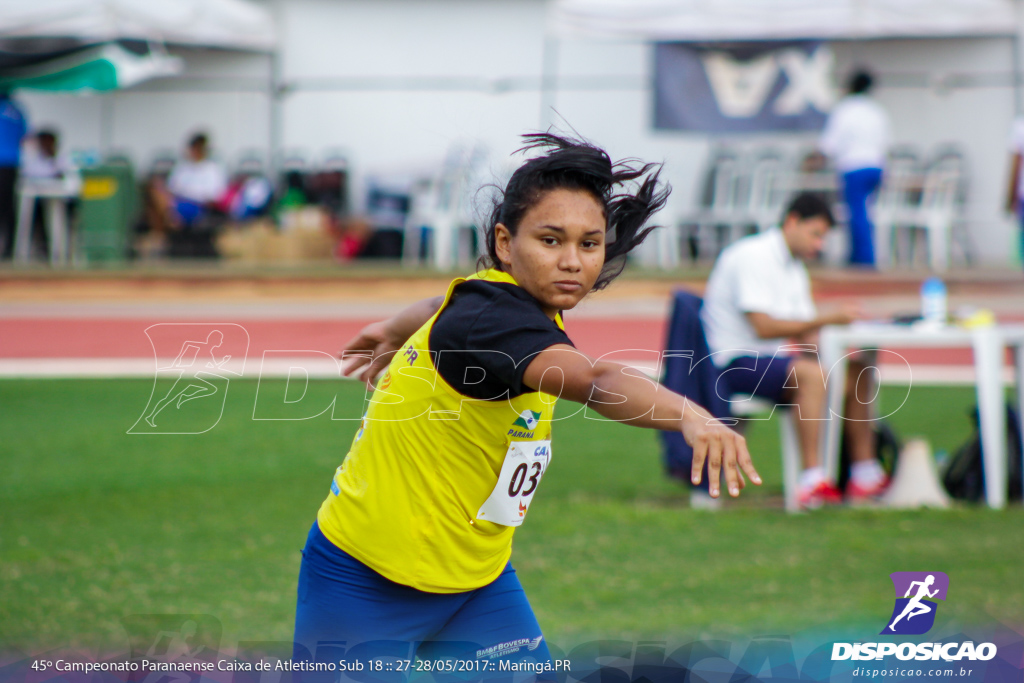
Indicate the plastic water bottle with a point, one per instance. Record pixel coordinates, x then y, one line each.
933 301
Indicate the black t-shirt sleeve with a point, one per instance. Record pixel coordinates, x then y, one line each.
487 335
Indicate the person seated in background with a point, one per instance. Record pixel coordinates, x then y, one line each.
197 184
183 209
757 298
42 158
248 196
42 162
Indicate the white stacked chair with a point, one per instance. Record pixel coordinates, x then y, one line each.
442 211
768 190
940 209
741 195
721 211
898 199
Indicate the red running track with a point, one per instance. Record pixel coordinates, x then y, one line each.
126 338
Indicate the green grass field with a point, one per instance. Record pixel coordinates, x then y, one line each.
97 525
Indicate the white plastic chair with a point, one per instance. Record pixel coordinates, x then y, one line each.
746 406
939 210
897 202
441 210
768 190
721 209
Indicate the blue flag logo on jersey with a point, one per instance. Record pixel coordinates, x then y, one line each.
916 593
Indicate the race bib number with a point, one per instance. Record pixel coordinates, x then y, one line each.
524 465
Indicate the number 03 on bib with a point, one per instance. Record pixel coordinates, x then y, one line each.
524 465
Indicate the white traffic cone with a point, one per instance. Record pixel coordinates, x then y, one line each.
916 481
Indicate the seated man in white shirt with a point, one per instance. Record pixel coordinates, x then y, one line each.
197 182
757 298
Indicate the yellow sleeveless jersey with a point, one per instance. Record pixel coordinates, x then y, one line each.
430 468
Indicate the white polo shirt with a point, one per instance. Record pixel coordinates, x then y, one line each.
757 274
199 181
856 135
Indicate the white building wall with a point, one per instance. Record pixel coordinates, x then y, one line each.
394 83
223 93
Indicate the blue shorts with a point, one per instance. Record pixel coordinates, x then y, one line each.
761 376
347 611
188 211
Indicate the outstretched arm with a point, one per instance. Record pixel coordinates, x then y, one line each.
767 327
619 393
373 347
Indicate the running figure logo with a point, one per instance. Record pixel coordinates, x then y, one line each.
171 639
205 356
914 613
197 386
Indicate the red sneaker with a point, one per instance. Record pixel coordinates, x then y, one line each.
823 493
859 492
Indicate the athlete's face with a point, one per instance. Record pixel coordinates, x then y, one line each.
558 251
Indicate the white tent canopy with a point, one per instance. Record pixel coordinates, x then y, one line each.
736 20
234 24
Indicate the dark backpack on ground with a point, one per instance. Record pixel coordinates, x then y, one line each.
964 475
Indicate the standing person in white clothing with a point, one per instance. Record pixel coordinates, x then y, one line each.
1015 193
856 138
758 297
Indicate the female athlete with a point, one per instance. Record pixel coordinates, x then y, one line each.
409 555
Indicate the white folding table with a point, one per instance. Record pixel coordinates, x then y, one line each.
989 345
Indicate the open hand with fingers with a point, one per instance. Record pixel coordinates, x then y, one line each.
373 348
724 449
370 351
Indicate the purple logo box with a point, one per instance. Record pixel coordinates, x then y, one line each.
901 582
